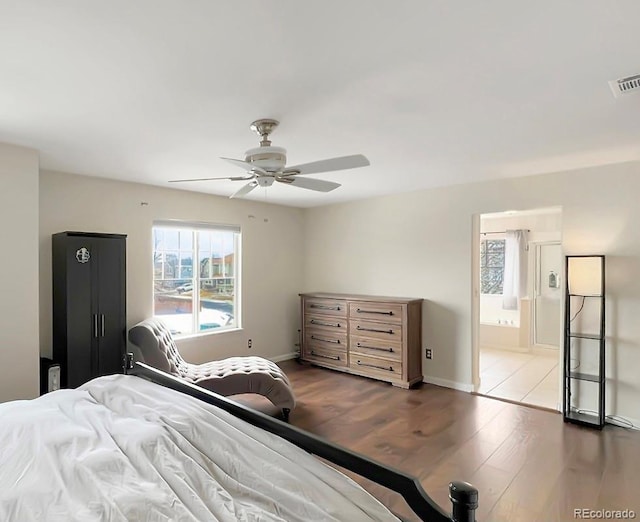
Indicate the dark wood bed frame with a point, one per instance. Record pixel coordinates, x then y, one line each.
463 496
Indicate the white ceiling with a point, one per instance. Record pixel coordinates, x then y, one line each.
432 92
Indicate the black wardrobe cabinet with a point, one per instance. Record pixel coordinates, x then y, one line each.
89 305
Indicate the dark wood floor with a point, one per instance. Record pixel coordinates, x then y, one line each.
527 464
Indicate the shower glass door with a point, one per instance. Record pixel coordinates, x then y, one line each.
547 292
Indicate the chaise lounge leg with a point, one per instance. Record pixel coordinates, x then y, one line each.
285 414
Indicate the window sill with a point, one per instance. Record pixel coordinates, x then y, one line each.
206 333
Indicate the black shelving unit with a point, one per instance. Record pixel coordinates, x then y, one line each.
584 341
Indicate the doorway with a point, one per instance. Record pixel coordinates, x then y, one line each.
517 355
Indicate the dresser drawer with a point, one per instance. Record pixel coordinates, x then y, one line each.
324 322
391 350
370 329
325 339
325 356
321 306
387 312
375 367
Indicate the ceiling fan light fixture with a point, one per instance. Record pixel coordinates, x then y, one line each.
271 159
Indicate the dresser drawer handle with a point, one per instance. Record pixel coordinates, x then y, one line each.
323 323
336 341
385 368
332 357
390 350
325 307
390 332
360 311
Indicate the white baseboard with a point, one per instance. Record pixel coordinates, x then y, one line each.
284 357
622 424
513 349
448 384
539 350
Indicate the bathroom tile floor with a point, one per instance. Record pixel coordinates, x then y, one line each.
522 377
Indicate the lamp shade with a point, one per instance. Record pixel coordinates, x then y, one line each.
585 275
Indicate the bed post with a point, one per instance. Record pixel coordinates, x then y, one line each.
464 498
128 362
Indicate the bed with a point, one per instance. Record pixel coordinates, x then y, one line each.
147 446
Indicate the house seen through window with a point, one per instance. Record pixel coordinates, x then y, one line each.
491 266
195 277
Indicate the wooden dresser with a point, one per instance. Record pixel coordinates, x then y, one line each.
378 337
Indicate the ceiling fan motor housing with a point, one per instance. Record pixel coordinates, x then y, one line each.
271 159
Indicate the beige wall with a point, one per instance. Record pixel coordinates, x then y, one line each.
19 353
415 245
420 245
271 255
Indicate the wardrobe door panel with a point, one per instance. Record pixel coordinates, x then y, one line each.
110 283
81 260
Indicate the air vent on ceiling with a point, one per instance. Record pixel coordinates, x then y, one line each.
628 85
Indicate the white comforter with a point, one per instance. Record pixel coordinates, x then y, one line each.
121 448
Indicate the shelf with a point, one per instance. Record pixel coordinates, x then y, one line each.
587 336
586 419
584 376
585 287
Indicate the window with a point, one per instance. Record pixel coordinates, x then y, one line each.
491 266
195 276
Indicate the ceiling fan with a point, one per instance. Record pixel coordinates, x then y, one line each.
266 164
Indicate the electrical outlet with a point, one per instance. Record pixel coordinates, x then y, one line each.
249 344
428 353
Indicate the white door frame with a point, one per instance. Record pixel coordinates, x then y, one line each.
475 302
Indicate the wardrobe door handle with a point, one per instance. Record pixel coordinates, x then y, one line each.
95 325
102 325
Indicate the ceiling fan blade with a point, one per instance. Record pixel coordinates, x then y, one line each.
328 165
249 167
319 185
232 178
245 190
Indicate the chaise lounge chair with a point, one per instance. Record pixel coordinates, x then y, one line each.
231 376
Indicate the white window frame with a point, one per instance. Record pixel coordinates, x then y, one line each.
497 237
194 228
